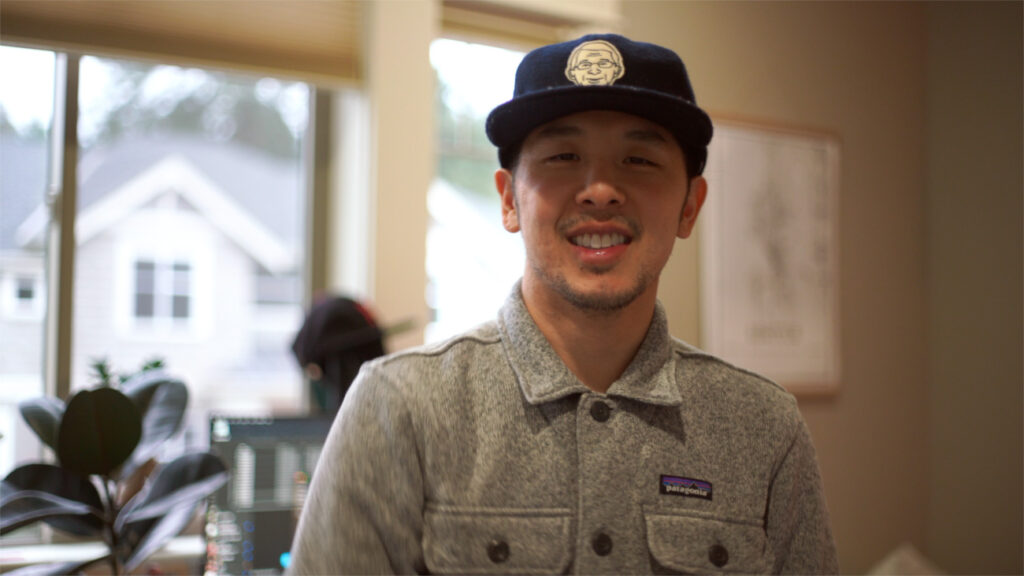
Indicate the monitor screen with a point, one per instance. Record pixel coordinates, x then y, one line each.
250 521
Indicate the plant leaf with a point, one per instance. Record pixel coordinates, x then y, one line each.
43 416
28 506
151 535
166 505
56 568
161 401
60 498
180 483
98 432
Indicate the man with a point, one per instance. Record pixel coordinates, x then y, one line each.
573 434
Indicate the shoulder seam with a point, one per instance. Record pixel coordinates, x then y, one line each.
441 348
696 353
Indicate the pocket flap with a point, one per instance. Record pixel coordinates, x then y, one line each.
701 545
489 541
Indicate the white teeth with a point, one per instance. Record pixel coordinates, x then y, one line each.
598 241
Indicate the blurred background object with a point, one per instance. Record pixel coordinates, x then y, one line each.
338 335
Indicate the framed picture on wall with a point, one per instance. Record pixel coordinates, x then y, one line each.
770 253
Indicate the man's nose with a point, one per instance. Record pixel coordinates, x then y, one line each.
600 190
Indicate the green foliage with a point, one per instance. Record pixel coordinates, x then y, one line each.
466 158
105 485
218 106
104 375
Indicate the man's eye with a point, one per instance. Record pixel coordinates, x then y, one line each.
639 161
563 157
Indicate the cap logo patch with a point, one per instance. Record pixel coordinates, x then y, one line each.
595 63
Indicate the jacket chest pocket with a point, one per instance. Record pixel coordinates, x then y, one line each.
680 543
496 541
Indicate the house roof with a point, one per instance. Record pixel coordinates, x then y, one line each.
249 194
22 184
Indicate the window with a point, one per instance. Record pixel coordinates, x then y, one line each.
190 234
26 111
191 198
22 296
162 291
26 292
468 280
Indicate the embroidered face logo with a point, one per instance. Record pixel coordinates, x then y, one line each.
594 63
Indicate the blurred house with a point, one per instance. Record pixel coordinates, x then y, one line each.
188 250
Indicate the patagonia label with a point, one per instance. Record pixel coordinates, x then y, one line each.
690 487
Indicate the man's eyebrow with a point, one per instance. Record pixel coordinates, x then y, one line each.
557 130
645 135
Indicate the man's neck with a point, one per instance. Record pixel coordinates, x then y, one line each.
596 346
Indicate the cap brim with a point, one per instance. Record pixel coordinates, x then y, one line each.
510 123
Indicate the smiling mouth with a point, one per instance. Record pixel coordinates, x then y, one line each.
599 241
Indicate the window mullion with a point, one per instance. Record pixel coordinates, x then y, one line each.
62 199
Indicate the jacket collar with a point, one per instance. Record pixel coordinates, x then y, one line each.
543 377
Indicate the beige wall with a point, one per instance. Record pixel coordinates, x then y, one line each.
974 208
908 451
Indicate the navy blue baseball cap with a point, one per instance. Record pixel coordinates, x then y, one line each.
601 72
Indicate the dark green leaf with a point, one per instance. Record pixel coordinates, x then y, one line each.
180 483
162 401
152 364
167 504
62 499
149 536
56 568
43 416
28 506
99 431
101 371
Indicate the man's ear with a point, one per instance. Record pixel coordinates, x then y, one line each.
691 208
505 184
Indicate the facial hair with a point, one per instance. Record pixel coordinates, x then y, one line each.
602 302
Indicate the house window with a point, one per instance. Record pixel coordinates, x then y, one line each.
26 292
162 290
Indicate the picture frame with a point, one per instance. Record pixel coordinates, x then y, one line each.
769 252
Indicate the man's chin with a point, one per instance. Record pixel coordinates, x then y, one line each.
602 299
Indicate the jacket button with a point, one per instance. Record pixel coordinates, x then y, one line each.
600 411
602 544
497 551
718 555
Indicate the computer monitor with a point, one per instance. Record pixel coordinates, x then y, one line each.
250 521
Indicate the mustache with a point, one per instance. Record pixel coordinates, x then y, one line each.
634 227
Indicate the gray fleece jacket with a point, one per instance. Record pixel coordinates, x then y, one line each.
485 455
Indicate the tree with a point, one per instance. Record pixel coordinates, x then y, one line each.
140 98
466 158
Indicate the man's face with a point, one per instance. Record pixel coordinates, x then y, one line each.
595 67
600 198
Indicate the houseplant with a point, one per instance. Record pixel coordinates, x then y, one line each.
107 483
